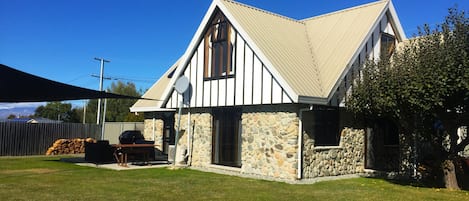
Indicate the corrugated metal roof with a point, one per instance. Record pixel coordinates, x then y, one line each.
284 42
335 37
309 54
155 92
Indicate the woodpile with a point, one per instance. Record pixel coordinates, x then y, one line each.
69 146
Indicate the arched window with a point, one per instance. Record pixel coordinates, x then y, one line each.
218 49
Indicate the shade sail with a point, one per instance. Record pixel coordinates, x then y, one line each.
18 86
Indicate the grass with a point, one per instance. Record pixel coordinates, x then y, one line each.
47 178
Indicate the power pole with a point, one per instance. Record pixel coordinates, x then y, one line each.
100 86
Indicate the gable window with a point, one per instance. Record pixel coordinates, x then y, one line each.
388 44
218 49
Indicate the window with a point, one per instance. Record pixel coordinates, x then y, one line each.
322 124
388 44
218 49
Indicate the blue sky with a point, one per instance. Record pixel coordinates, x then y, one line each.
59 39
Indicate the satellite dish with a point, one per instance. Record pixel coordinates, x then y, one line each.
181 85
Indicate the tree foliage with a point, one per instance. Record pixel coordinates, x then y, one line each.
117 110
426 81
57 111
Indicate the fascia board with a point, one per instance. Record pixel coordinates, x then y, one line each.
312 100
191 48
397 23
150 109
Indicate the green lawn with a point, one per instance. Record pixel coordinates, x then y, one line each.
47 178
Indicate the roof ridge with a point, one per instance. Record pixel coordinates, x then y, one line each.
345 10
313 56
264 11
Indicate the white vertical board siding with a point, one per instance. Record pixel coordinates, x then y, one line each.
200 76
266 86
276 92
193 79
285 98
169 103
174 102
214 93
369 48
187 73
248 71
257 81
230 91
207 93
239 73
251 84
377 43
383 23
221 92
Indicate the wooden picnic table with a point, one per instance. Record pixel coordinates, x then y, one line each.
122 150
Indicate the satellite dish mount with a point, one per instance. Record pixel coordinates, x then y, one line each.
181 86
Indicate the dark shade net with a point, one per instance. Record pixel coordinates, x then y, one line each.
18 86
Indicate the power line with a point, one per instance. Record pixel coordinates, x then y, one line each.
127 79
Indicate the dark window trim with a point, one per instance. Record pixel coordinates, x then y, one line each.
222 49
389 52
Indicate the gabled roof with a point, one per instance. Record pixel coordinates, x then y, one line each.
307 57
155 92
335 37
310 54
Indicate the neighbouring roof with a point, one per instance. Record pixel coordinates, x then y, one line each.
307 56
32 120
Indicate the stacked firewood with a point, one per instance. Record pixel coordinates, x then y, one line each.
69 146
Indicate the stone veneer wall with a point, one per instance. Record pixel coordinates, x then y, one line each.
347 158
201 130
270 141
148 132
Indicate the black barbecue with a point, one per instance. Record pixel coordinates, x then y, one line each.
133 137
136 153
103 152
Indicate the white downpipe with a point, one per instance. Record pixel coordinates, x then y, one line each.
300 143
177 133
189 138
104 120
153 129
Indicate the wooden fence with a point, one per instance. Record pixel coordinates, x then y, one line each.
20 139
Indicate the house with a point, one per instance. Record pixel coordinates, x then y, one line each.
33 120
266 92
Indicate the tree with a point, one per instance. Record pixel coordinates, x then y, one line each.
58 111
116 109
424 85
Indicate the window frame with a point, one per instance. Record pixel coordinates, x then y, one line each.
386 51
218 49
323 124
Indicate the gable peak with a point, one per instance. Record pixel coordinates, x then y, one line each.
259 10
347 9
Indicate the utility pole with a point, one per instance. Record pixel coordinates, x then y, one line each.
100 86
84 111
